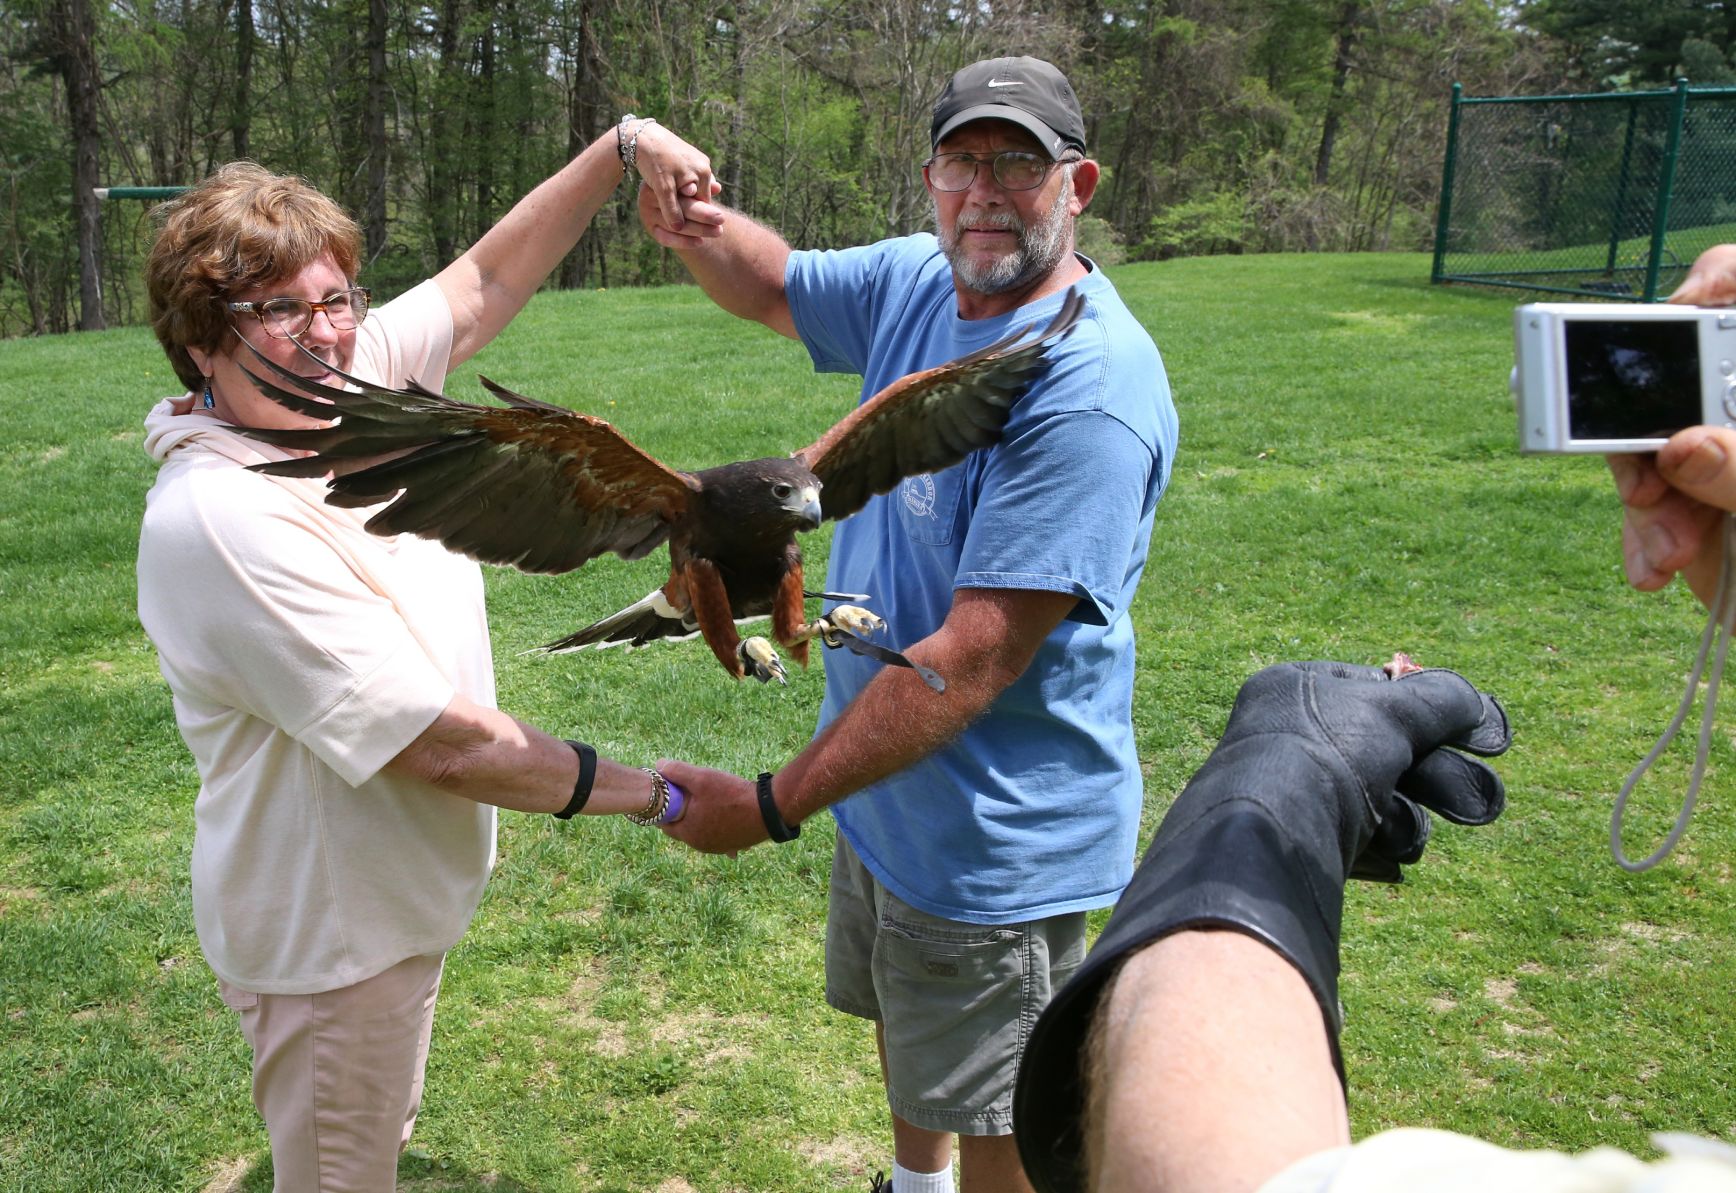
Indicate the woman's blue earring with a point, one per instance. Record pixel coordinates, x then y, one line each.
206 399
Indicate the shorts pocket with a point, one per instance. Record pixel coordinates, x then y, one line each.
928 954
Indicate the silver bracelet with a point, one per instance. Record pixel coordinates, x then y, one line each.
657 804
630 151
621 138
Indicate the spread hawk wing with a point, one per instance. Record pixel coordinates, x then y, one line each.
532 486
929 420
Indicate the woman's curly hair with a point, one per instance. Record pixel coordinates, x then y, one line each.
241 227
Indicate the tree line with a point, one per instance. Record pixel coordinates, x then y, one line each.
1222 125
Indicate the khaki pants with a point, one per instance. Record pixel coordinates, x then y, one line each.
337 1076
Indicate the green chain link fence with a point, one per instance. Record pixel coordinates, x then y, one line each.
1600 196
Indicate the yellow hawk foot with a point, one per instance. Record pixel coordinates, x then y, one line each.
760 659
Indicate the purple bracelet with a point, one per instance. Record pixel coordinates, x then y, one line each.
677 806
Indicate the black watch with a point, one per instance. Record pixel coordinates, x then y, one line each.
776 829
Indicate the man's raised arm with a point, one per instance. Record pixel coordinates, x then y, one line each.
742 270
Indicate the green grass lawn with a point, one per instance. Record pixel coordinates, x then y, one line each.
626 1016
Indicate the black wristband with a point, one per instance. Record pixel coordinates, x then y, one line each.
776 829
582 788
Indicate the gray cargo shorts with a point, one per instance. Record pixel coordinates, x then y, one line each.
957 1001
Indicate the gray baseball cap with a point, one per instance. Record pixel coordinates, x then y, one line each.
1027 92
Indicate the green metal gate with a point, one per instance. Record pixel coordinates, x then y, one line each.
1599 196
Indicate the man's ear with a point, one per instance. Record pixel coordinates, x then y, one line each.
927 185
1085 178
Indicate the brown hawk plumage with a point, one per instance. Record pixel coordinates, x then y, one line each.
545 489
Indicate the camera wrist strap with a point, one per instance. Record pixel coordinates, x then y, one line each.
1718 623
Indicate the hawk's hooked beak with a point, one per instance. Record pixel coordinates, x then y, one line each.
805 503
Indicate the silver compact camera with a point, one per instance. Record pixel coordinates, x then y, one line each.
1620 377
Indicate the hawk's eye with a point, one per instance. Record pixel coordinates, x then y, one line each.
782 490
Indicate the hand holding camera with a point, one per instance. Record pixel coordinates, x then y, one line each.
1675 500
1652 388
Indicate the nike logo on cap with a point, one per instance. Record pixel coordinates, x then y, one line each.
1006 83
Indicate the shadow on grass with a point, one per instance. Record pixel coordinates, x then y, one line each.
418 1172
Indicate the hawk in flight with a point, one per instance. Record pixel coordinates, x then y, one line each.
545 489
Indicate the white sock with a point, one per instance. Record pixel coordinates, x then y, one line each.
906 1181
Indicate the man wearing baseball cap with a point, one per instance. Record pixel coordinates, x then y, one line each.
976 827
1027 92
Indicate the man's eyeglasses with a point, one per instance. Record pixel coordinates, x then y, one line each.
288 318
1014 169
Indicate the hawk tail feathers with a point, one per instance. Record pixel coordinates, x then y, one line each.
649 619
645 620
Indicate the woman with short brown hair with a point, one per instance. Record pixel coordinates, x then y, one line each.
336 688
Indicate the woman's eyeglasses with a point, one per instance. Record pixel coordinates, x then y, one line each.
289 318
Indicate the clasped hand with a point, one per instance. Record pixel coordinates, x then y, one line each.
723 813
678 187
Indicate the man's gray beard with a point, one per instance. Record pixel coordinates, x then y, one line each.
1041 246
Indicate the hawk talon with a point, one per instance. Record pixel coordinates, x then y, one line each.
761 661
850 619
844 621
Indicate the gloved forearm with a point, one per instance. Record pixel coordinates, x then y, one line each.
1313 781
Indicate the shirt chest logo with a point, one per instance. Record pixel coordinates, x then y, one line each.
918 494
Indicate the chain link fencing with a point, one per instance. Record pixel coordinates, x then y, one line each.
1600 196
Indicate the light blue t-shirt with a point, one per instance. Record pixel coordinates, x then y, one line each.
1034 810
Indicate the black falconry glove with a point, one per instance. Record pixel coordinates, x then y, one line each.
1322 775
